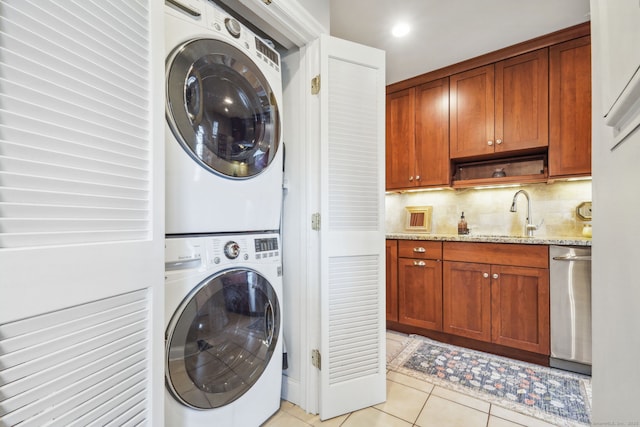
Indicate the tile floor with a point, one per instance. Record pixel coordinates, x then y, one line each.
411 402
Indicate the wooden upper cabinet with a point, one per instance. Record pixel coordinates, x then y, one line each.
501 107
432 134
570 108
471 115
522 102
400 139
418 136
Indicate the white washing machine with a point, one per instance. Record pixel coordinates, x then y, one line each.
224 153
223 330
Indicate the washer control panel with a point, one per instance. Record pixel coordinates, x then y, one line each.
218 251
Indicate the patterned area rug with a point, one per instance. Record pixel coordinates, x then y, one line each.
555 396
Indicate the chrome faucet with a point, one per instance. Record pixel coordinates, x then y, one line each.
529 226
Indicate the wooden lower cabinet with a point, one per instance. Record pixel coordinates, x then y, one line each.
489 296
467 300
392 280
502 304
420 293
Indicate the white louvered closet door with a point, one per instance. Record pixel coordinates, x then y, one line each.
352 243
81 224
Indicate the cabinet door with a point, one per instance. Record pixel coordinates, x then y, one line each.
520 308
420 293
467 300
522 94
392 280
570 108
432 133
400 139
471 106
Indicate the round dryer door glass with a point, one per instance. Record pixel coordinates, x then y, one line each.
221 108
222 338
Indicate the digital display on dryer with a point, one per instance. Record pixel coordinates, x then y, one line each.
265 245
266 51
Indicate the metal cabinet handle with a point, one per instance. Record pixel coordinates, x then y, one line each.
420 250
495 275
410 178
417 177
419 263
485 275
489 142
498 141
572 258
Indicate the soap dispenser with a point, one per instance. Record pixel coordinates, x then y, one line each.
462 225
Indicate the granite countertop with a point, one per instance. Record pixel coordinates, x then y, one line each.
565 241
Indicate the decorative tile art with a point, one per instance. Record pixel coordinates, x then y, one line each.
559 397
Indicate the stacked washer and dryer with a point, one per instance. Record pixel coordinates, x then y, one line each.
224 159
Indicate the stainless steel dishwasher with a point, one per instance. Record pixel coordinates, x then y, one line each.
570 280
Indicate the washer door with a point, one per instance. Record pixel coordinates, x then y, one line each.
221 108
221 338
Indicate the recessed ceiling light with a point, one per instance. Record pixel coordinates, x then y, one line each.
401 29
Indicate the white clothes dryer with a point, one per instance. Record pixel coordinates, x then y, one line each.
224 153
223 363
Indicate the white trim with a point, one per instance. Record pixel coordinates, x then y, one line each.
286 21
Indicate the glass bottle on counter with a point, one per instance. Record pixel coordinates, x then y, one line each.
462 225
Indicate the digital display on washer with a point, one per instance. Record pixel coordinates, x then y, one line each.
264 245
266 51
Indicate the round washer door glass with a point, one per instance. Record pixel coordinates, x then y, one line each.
221 108
222 338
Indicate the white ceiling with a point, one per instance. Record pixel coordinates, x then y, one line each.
445 32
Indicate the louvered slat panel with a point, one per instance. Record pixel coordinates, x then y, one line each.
94 366
74 122
353 317
353 189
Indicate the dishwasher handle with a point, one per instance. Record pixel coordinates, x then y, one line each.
572 258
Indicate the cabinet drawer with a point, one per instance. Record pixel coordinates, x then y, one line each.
419 249
498 253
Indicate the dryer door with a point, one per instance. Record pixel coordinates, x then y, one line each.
221 338
221 108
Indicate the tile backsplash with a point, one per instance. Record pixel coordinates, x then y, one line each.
487 209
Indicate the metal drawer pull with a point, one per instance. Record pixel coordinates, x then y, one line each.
572 258
419 263
420 250
485 275
495 275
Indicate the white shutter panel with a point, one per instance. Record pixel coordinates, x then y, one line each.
353 370
74 122
81 224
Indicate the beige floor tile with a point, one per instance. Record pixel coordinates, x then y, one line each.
499 422
439 412
298 412
284 419
333 422
371 417
410 381
516 417
403 401
397 336
461 398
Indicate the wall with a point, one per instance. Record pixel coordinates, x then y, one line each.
487 210
615 287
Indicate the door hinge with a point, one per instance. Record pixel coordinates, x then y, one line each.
315 85
315 359
315 221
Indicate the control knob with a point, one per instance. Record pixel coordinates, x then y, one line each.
231 250
233 27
